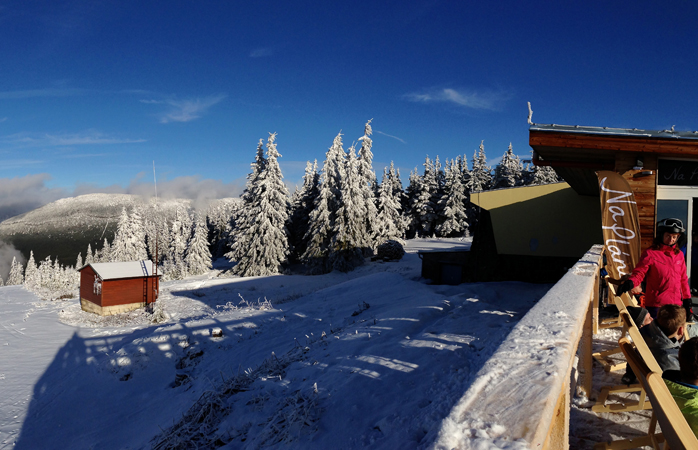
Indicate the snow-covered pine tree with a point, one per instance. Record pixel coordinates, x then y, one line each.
481 174
303 204
198 257
247 215
367 184
411 213
350 233
266 236
31 273
453 221
400 197
119 246
89 256
389 223
46 273
321 224
509 171
537 175
174 266
424 207
129 239
79 262
16 276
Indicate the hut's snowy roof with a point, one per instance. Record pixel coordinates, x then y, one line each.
116 270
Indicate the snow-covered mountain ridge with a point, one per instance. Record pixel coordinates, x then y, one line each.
65 227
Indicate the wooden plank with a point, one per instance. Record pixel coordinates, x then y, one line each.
675 429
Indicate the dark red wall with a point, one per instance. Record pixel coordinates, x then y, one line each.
87 279
116 292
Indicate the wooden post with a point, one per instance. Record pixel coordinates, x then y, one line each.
585 354
559 435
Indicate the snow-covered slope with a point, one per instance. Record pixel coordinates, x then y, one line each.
375 357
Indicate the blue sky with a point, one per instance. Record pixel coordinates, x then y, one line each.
91 93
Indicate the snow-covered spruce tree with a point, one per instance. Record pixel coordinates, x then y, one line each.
31 273
423 207
79 262
129 239
367 184
303 204
400 197
175 267
481 174
509 171
89 256
266 238
247 214
16 276
453 220
537 175
198 257
411 214
105 253
389 221
322 218
46 273
350 233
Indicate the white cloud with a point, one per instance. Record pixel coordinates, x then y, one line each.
483 100
199 190
189 109
21 194
33 93
261 52
3 119
391 136
58 140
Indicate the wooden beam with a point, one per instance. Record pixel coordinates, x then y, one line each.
632 144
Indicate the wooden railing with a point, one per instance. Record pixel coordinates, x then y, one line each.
523 391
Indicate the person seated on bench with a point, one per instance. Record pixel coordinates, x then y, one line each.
664 337
683 383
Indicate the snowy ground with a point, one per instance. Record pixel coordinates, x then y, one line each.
374 358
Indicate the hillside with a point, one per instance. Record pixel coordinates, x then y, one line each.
65 227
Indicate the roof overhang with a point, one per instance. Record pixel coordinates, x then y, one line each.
576 153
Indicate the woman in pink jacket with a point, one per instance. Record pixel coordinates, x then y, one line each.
663 269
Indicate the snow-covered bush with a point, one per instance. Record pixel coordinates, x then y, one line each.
390 250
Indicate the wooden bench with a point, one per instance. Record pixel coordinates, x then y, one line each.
631 329
621 302
676 433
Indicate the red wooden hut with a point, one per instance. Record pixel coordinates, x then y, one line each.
113 288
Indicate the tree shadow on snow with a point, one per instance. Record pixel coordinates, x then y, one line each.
114 391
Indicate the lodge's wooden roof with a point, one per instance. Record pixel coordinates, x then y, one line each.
119 270
577 152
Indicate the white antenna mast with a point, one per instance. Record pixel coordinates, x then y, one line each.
156 281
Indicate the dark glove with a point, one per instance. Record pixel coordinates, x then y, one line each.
626 286
688 306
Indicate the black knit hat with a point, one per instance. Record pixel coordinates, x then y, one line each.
638 314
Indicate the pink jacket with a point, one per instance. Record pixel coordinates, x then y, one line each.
665 274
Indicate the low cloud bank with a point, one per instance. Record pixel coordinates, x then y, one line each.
22 194
200 191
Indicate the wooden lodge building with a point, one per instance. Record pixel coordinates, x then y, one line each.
113 288
536 233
